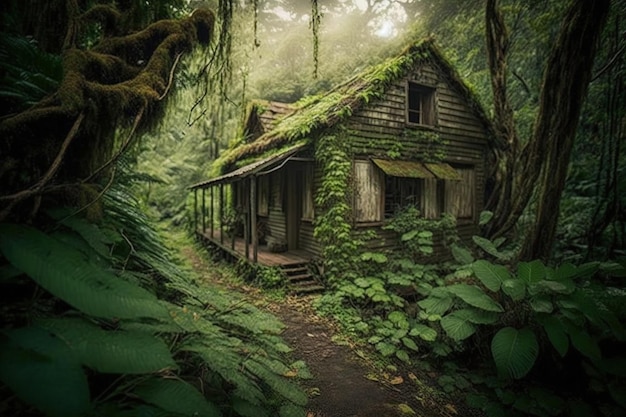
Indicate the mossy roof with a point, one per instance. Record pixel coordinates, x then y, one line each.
315 114
262 115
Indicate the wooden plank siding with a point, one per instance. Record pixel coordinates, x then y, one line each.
276 220
378 129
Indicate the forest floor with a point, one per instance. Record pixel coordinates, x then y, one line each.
347 379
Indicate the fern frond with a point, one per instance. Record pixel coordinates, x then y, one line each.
176 396
65 273
278 383
227 363
114 351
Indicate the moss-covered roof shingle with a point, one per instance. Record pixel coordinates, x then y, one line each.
317 113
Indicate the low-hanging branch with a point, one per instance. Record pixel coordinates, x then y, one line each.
122 81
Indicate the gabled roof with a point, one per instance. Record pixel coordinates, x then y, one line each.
251 169
317 113
262 116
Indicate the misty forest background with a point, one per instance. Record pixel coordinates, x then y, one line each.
110 110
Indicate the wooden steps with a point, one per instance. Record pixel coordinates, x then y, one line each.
300 280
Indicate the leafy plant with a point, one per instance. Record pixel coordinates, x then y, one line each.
28 74
332 226
116 327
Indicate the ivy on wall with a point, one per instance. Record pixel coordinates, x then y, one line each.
333 225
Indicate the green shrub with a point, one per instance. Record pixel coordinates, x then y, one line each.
116 328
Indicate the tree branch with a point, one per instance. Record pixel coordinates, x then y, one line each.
35 189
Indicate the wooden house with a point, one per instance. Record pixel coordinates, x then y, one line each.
414 134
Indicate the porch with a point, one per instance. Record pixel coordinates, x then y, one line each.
237 247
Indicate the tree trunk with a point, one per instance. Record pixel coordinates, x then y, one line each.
546 155
564 87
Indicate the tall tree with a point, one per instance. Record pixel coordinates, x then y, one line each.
541 162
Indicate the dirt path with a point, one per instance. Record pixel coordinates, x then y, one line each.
344 383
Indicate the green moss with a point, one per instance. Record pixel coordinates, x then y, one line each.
109 85
317 113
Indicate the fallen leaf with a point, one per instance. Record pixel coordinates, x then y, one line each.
451 408
372 377
310 335
314 392
406 410
292 373
412 377
396 380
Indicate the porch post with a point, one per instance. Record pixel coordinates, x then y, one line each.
246 222
203 211
211 210
253 219
195 210
234 211
222 214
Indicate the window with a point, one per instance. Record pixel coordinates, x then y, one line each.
382 187
424 193
420 104
277 185
263 187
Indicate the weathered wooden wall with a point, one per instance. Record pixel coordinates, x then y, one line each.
276 220
379 130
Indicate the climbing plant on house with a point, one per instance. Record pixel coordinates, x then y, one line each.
332 226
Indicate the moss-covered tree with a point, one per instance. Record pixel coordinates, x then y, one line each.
61 146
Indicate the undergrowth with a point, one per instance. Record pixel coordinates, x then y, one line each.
517 339
98 320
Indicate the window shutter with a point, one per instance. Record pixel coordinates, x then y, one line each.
368 189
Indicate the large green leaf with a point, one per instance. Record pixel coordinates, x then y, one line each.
556 334
485 217
90 232
115 351
424 332
65 273
461 254
489 247
584 343
244 408
531 272
457 327
176 396
491 275
514 351
475 297
477 316
541 304
514 288
42 371
435 304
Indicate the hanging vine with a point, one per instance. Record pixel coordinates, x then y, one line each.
314 24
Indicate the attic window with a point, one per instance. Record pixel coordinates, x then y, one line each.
420 104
